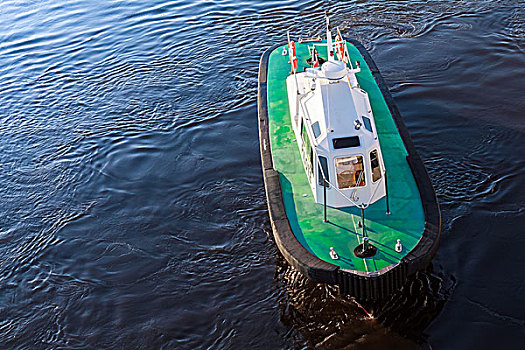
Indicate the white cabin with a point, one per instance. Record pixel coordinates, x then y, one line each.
336 134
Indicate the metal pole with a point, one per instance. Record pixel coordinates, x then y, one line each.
329 39
293 69
363 221
386 190
324 191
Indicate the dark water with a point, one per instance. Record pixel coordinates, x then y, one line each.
133 212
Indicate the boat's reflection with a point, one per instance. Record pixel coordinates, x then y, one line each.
320 317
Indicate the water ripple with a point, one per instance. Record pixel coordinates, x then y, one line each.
134 214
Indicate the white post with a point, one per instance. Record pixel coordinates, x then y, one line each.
290 52
293 70
329 40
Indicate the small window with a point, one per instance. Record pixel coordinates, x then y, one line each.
323 170
316 129
368 123
376 168
308 152
311 159
349 172
346 142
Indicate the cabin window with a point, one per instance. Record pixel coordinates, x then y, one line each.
368 123
323 170
316 129
311 160
349 172
376 168
345 142
307 152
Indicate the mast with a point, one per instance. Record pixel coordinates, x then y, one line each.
329 47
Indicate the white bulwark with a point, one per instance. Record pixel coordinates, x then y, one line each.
335 130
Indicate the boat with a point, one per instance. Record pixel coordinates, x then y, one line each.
349 199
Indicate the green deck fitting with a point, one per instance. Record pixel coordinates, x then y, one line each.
407 220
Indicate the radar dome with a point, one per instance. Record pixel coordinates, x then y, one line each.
334 70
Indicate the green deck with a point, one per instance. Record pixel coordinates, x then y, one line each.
341 232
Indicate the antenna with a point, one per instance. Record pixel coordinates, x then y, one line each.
329 47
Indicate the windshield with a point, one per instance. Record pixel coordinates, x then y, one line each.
349 172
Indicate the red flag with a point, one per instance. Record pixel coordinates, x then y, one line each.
293 58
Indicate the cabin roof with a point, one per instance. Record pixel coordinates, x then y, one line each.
333 105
